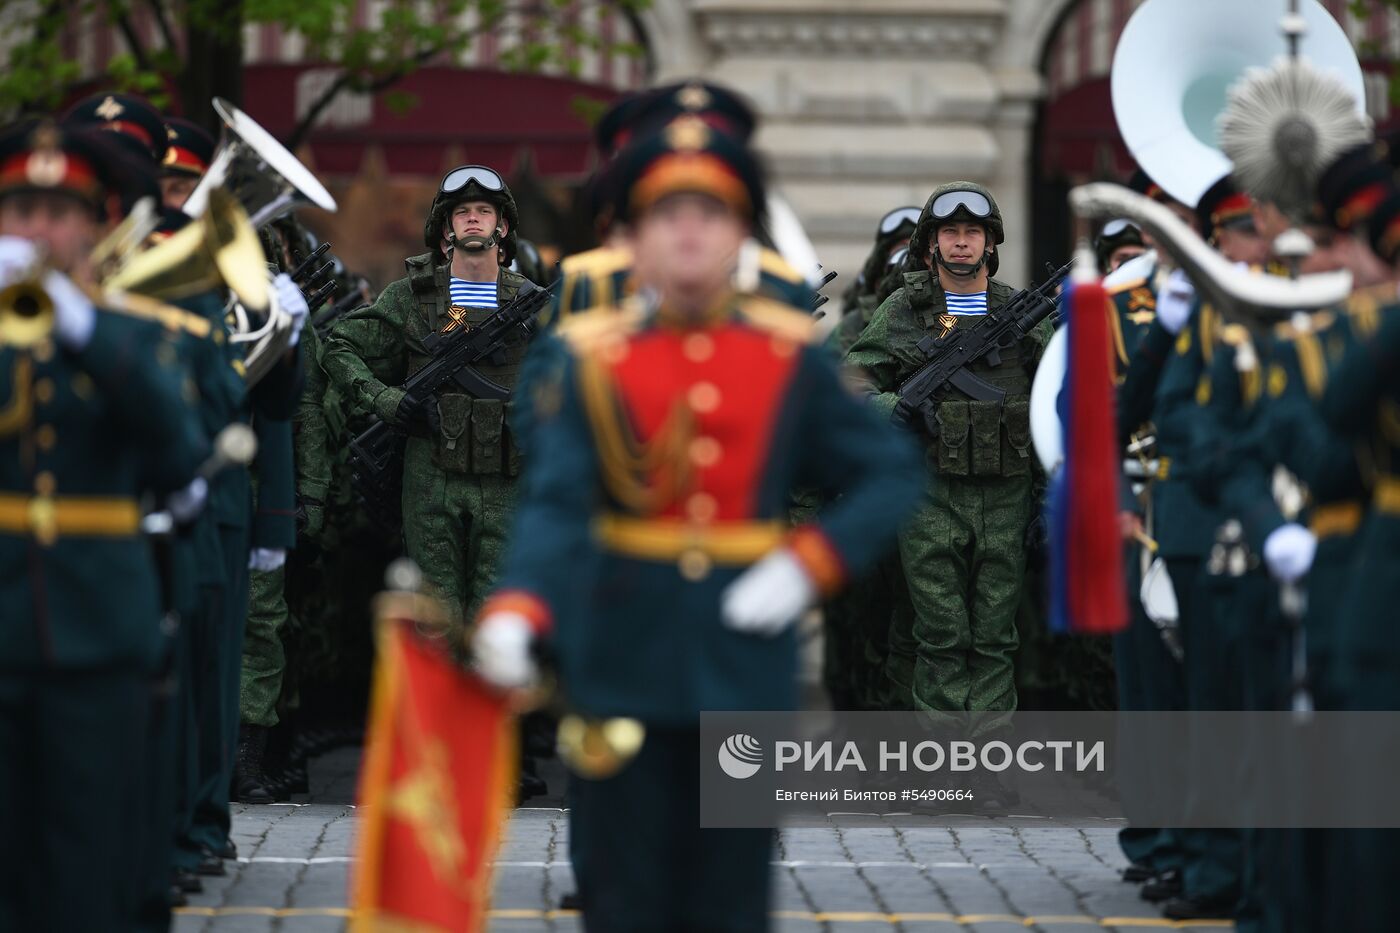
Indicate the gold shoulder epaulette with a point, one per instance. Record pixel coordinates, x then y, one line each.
778 319
149 309
588 332
774 264
1316 323
604 260
1364 307
1236 335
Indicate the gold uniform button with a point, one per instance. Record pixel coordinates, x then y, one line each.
694 565
43 391
45 484
42 520
43 351
705 451
703 397
46 437
82 386
698 347
701 507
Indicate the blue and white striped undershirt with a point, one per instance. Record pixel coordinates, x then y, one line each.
975 303
473 294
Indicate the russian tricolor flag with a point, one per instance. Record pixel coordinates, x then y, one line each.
1086 552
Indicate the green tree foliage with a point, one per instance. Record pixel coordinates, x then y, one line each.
534 35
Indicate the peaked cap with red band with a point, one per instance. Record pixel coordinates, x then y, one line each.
1143 184
1351 189
687 156
191 148
1224 206
38 155
132 118
646 112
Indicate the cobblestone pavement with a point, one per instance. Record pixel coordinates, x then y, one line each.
855 873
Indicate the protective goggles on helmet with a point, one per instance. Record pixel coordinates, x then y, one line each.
898 218
946 205
1116 228
463 175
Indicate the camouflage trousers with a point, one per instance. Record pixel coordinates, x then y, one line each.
964 559
860 670
455 527
264 659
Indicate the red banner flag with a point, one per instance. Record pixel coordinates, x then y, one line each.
437 781
1092 467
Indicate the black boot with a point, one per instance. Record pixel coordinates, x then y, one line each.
1162 888
248 778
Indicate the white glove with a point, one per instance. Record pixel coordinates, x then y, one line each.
291 300
1174 302
769 596
1289 550
74 317
18 257
501 651
186 504
267 559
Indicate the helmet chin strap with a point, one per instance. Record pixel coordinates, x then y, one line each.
473 243
961 269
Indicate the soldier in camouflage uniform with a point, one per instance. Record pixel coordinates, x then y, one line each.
857 622
963 550
863 298
460 460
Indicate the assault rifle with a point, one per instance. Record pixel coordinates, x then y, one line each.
950 356
375 453
324 319
821 299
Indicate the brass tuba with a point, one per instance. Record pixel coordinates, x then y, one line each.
219 248
251 164
268 182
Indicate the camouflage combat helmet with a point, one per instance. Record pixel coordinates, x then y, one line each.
472 183
980 207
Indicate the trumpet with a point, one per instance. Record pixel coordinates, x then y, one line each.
26 313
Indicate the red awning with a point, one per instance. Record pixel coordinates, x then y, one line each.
491 117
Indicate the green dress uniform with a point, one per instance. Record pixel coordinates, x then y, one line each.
169 783
657 515
1296 887
1361 402
81 631
1147 676
458 486
219 639
963 550
1161 386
